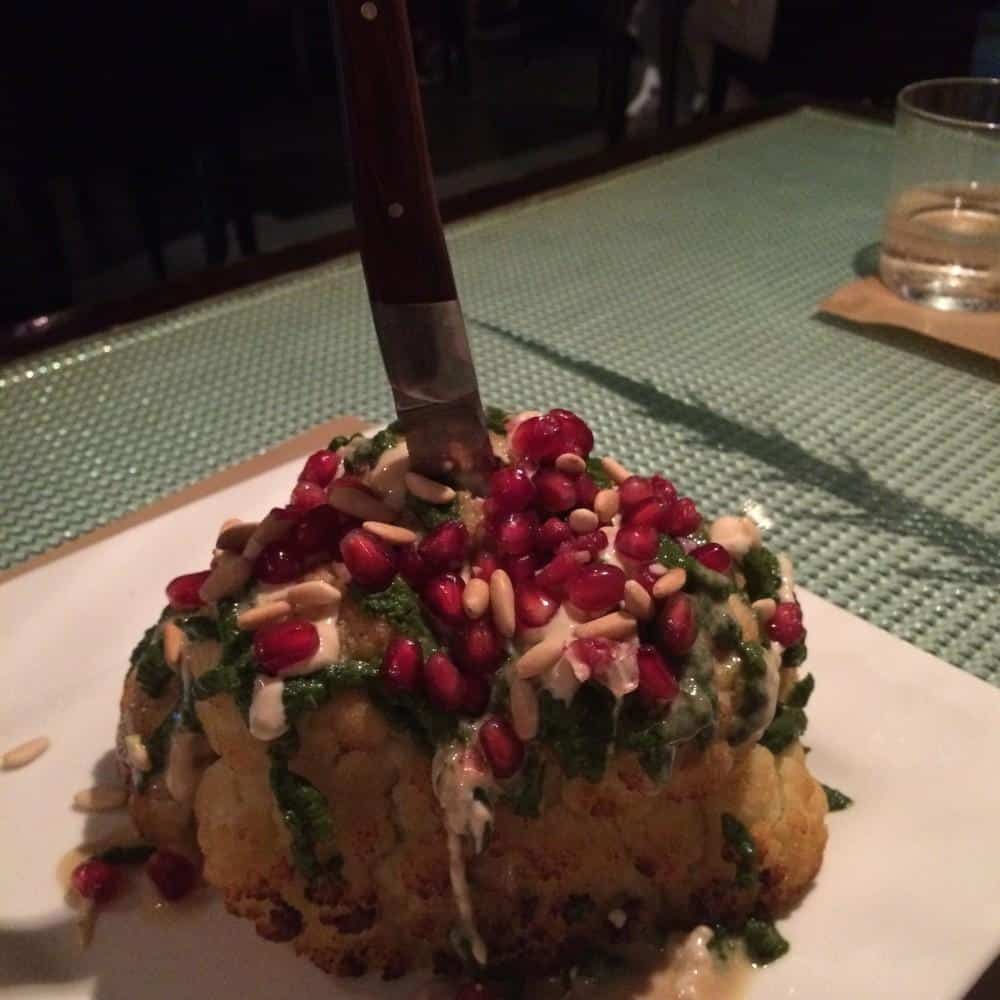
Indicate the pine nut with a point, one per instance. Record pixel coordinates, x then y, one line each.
312 594
25 753
539 658
764 609
229 574
671 581
476 598
616 625
638 601
271 611
391 533
606 505
359 504
657 569
523 707
583 521
428 490
571 463
173 644
615 470
269 530
737 535
502 602
235 535
100 798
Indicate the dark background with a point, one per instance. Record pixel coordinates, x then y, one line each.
143 141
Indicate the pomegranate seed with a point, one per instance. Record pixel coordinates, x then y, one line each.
306 496
349 482
637 541
443 597
402 665
182 591
475 694
443 548
96 880
713 557
552 534
554 576
320 531
280 645
586 490
501 747
678 627
515 534
538 439
172 874
576 435
412 567
652 512
511 490
634 491
597 653
593 542
320 468
445 686
476 991
663 489
484 565
520 568
556 491
371 563
279 562
477 646
656 683
646 579
597 587
786 624
535 608
682 517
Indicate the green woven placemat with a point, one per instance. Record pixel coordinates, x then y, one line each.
672 305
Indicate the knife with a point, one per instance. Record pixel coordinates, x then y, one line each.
411 287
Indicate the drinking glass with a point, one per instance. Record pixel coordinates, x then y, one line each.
941 238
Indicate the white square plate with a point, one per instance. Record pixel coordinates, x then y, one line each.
907 903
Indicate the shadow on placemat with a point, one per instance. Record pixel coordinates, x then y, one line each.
988 985
875 503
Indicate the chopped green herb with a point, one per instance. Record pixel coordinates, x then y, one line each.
578 907
837 801
739 849
342 440
368 450
801 692
198 627
671 555
524 793
647 737
304 810
232 676
581 732
763 576
430 515
496 419
794 656
702 578
763 941
726 631
151 670
158 748
596 472
430 726
307 693
134 854
400 606
724 942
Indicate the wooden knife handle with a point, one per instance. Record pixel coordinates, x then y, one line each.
402 243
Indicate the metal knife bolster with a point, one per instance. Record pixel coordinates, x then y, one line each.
427 358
